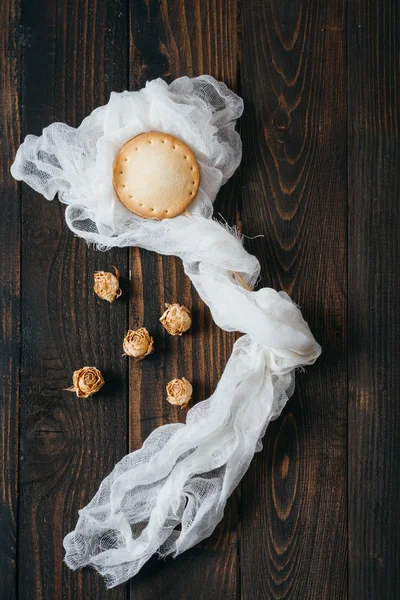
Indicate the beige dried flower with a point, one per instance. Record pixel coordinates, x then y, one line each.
106 285
179 392
176 319
86 382
138 343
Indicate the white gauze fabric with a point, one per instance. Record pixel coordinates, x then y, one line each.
170 494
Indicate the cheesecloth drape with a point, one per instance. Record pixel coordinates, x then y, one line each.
170 494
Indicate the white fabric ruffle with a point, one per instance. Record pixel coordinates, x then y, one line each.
170 494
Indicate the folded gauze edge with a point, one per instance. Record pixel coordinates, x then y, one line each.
170 494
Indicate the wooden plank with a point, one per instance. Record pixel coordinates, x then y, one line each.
9 295
374 299
293 505
75 54
172 39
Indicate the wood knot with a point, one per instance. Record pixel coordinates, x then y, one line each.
281 120
285 467
45 437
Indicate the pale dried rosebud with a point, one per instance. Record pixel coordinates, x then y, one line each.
86 382
106 285
138 343
179 392
176 319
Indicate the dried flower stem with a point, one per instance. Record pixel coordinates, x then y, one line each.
238 277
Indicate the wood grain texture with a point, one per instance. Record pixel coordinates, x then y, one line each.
320 181
74 55
172 39
374 299
293 536
9 296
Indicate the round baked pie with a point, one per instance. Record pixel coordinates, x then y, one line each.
156 175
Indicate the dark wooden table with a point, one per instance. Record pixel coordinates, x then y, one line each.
317 515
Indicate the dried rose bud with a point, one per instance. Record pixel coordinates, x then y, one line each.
87 381
176 319
138 343
179 392
106 285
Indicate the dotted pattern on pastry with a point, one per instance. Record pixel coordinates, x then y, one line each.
146 209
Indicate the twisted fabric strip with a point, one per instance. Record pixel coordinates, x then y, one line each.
170 494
